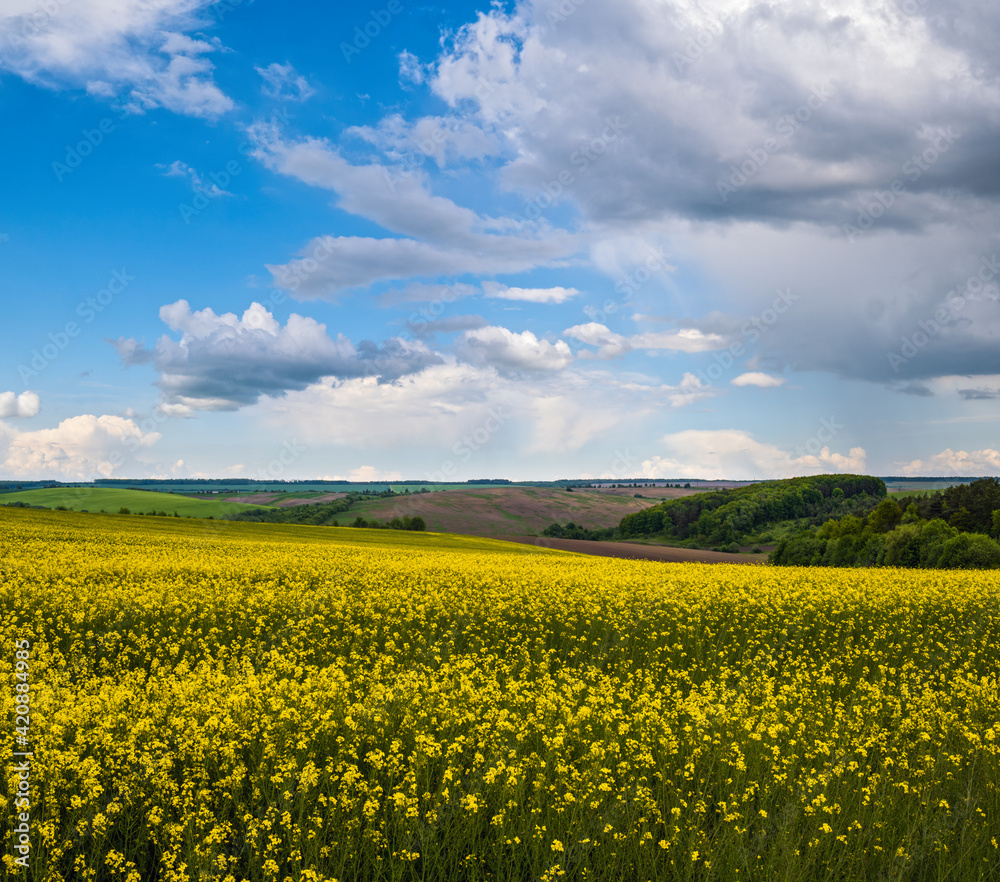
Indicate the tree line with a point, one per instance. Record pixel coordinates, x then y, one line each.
744 515
953 528
728 518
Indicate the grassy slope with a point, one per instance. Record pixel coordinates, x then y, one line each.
240 531
505 511
111 500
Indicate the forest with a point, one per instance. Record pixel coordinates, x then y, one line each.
950 529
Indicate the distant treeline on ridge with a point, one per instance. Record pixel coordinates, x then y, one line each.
953 528
741 516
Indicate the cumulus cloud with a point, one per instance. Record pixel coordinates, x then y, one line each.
80 448
701 93
22 406
530 295
612 345
737 455
759 140
281 81
528 413
139 52
956 463
371 473
757 378
439 139
508 351
224 362
608 343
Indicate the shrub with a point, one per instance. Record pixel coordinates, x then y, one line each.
970 551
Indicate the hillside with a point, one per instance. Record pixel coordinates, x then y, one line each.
956 528
112 500
511 511
725 518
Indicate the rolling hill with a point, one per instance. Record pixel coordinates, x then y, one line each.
136 501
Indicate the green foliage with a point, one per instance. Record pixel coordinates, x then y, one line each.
972 551
912 542
321 515
574 531
969 507
403 523
720 518
886 517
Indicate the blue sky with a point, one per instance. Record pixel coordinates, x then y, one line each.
556 239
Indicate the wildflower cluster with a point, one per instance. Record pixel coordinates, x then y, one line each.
270 703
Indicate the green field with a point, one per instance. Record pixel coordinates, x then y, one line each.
136 501
907 494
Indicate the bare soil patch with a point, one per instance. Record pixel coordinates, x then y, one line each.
506 511
270 499
655 494
633 551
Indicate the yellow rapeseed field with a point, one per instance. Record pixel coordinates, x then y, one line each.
251 702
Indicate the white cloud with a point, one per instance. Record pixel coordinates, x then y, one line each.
853 98
736 455
410 69
685 340
330 265
224 362
531 295
371 473
690 390
612 345
446 238
22 406
179 169
507 351
958 463
437 411
698 91
80 448
757 378
138 51
440 401
444 140
281 81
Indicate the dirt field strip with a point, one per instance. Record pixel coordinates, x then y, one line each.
632 551
268 499
507 511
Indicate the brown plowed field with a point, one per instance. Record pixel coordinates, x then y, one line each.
507 511
269 499
635 551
